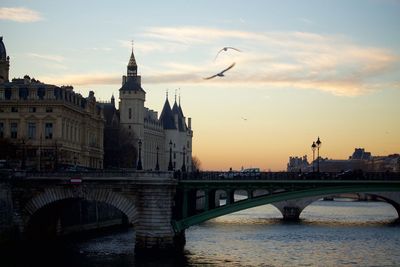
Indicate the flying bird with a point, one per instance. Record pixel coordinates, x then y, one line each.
226 49
243 118
221 74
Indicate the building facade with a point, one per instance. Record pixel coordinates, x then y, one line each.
163 142
359 160
298 164
51 126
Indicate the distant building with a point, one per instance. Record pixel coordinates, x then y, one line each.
157 135
298 164
359 160
51 126
385 163
339 165
359 153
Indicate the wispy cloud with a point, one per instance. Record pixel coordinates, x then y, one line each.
303 60
19 14
145 47
300 60
86 79
55 58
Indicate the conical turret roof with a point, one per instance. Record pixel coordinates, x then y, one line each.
167 117
181 120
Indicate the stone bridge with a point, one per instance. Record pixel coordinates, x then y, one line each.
146 198
160 206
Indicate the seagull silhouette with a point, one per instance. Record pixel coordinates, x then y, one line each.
221 74
226 49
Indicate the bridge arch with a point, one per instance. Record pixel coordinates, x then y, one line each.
292 209
385 192
51 195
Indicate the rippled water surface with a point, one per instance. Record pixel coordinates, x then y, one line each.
330 233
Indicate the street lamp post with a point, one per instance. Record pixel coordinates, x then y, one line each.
157 165
170 167
318 143
313 147
183 163
139 164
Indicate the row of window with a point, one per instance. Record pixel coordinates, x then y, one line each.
30 109
23 93
31 130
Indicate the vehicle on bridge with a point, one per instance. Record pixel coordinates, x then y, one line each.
255 172
249 172
229 174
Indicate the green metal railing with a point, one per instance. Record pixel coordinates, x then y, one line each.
277 190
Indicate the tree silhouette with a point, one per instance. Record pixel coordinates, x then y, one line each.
120 149
196 163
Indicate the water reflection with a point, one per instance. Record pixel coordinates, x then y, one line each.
328 234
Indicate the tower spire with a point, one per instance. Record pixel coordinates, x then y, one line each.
179 96
132 66
112 100
175 95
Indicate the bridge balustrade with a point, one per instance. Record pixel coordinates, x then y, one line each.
356 175
212 175
96 174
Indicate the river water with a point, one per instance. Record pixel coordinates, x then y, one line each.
330 233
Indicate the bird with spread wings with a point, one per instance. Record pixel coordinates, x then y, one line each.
226 49
221 74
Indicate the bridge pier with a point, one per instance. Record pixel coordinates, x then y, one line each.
291 213
291 209
7 230
154 231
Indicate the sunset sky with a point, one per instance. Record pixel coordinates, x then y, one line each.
307 68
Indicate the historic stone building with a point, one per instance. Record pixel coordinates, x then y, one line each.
164 142
51 126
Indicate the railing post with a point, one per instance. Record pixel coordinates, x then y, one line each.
206 200
230 197
249 193
185 203
211 198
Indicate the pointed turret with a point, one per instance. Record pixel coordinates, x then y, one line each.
178 114
132 66
132 81
167 117
113 100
